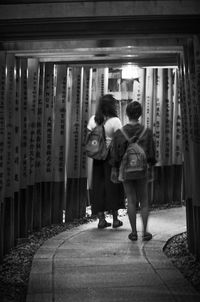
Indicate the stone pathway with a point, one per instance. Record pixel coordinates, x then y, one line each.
90 265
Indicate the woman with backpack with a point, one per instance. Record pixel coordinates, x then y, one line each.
133 151
105 195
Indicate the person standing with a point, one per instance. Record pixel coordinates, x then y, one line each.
106 195
136 190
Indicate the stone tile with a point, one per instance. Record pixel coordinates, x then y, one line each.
161 263
103 249
67 234
175 281
155 254
104 260
137 268
115 294
40 265
44 253
52 243
154 244
40 283
158 259
186 297
104 235
123 278
39 297
101 244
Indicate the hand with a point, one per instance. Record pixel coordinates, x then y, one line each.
150 174
114 175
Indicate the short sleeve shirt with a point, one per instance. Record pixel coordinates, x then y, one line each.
111 126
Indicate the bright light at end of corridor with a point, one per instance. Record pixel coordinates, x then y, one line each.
129 72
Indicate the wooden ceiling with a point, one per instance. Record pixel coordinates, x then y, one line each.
145 41
142 51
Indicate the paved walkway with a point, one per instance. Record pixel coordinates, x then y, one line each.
90 265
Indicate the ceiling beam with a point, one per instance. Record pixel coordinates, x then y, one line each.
93 27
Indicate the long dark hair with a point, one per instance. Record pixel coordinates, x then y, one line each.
107 107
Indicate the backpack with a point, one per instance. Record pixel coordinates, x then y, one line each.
95 146
134 161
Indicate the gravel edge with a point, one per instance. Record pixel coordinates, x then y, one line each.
176 249
16 266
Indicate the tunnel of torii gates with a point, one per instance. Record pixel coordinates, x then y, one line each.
44 110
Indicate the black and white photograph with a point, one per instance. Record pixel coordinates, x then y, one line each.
99 151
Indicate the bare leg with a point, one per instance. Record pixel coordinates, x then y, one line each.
142 192
132 200
144 215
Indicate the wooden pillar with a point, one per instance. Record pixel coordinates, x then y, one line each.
23 152
8 224
47 144
30 202
17 147
16 216
167 184
39 173
197 232
1 231
74 151
59 140
32 110
46 198
2 147
37 207
9 154
177 184
23 209
78 104
58 197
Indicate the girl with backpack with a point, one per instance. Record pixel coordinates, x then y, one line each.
106 195
131 168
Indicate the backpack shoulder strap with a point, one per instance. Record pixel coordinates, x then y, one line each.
129 139
142 133
125 135
103 130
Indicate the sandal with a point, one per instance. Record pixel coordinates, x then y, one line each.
133 237
147 237
104 224
117 223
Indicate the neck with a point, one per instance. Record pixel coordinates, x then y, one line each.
133 122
